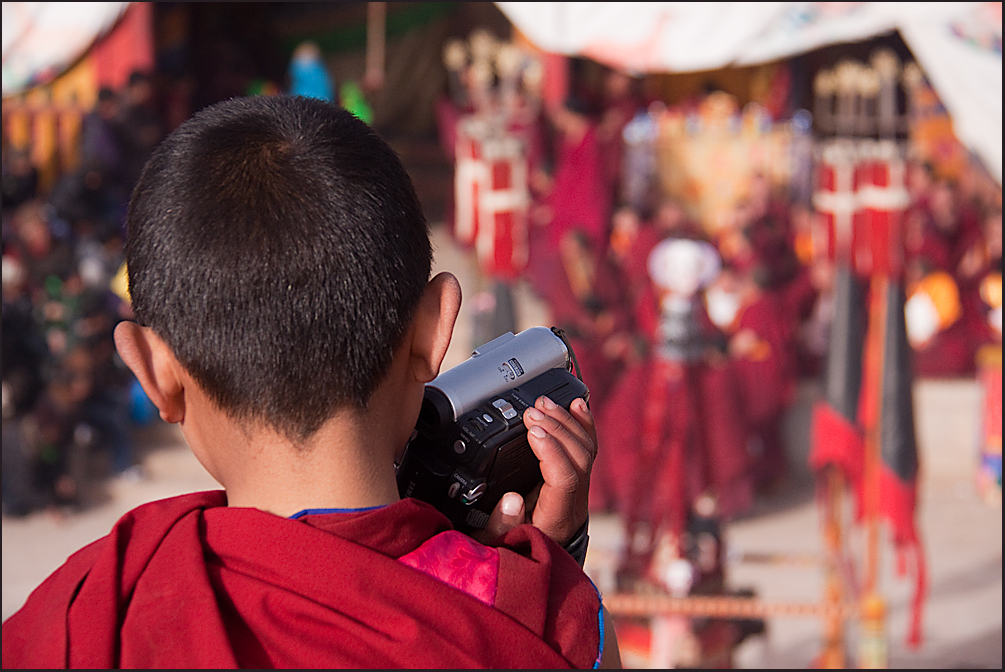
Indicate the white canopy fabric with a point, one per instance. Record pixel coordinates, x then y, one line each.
957 44
42 39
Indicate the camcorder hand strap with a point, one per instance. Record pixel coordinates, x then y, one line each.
579 542
572 353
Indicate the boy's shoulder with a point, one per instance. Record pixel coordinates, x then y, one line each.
38 634
175 579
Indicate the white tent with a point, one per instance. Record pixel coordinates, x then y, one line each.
41 39
958 45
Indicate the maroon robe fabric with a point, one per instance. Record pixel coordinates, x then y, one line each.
941 248
583 320
447 116
951 353
616 116
767 381
579 197
770 245
189 582
799 298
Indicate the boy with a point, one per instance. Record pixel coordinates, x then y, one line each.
279 266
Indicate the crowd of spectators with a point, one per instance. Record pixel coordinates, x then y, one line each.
67 398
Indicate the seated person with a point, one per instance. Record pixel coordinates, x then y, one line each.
279 271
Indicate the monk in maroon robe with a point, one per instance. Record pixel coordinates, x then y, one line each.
270 330
668 221
579 198
762 346
674 423
620 104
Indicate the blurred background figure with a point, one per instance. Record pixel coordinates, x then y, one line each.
308 75
20 179
140 125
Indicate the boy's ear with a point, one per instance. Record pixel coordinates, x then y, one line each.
155 366
433 325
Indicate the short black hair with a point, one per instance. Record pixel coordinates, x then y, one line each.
277 245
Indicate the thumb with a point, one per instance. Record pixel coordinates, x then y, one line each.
509 512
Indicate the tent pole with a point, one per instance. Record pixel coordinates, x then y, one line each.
872 648
833 655
376 32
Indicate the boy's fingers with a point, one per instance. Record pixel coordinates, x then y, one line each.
570 435
559 469
566 444
557 511
580 431
581 413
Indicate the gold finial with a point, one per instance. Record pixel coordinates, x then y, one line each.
455 55
825 83
533 75
885 63
846 77
483 45
509 58
869 82
481 74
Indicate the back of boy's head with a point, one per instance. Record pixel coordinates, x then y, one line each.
277 246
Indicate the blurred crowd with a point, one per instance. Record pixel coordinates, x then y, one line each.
68 400
693 343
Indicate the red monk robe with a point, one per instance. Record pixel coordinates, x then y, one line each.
190 582
620 105
762 345
576 198
579 197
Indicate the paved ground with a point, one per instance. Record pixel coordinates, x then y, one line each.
962 536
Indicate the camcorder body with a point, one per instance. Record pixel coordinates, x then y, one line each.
470 445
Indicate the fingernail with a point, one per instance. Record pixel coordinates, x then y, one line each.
538 431
581 406
548 403
511 504
534 414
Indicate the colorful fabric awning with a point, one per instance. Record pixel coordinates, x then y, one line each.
958 44
42 39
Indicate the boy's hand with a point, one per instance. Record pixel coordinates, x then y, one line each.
566 444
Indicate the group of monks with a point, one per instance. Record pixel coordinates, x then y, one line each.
706 431
953 231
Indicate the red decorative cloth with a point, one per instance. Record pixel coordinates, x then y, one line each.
190 582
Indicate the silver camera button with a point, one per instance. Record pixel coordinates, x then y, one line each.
474 494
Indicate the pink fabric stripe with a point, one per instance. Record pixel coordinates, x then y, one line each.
459 561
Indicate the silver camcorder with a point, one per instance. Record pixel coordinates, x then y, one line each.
470 445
